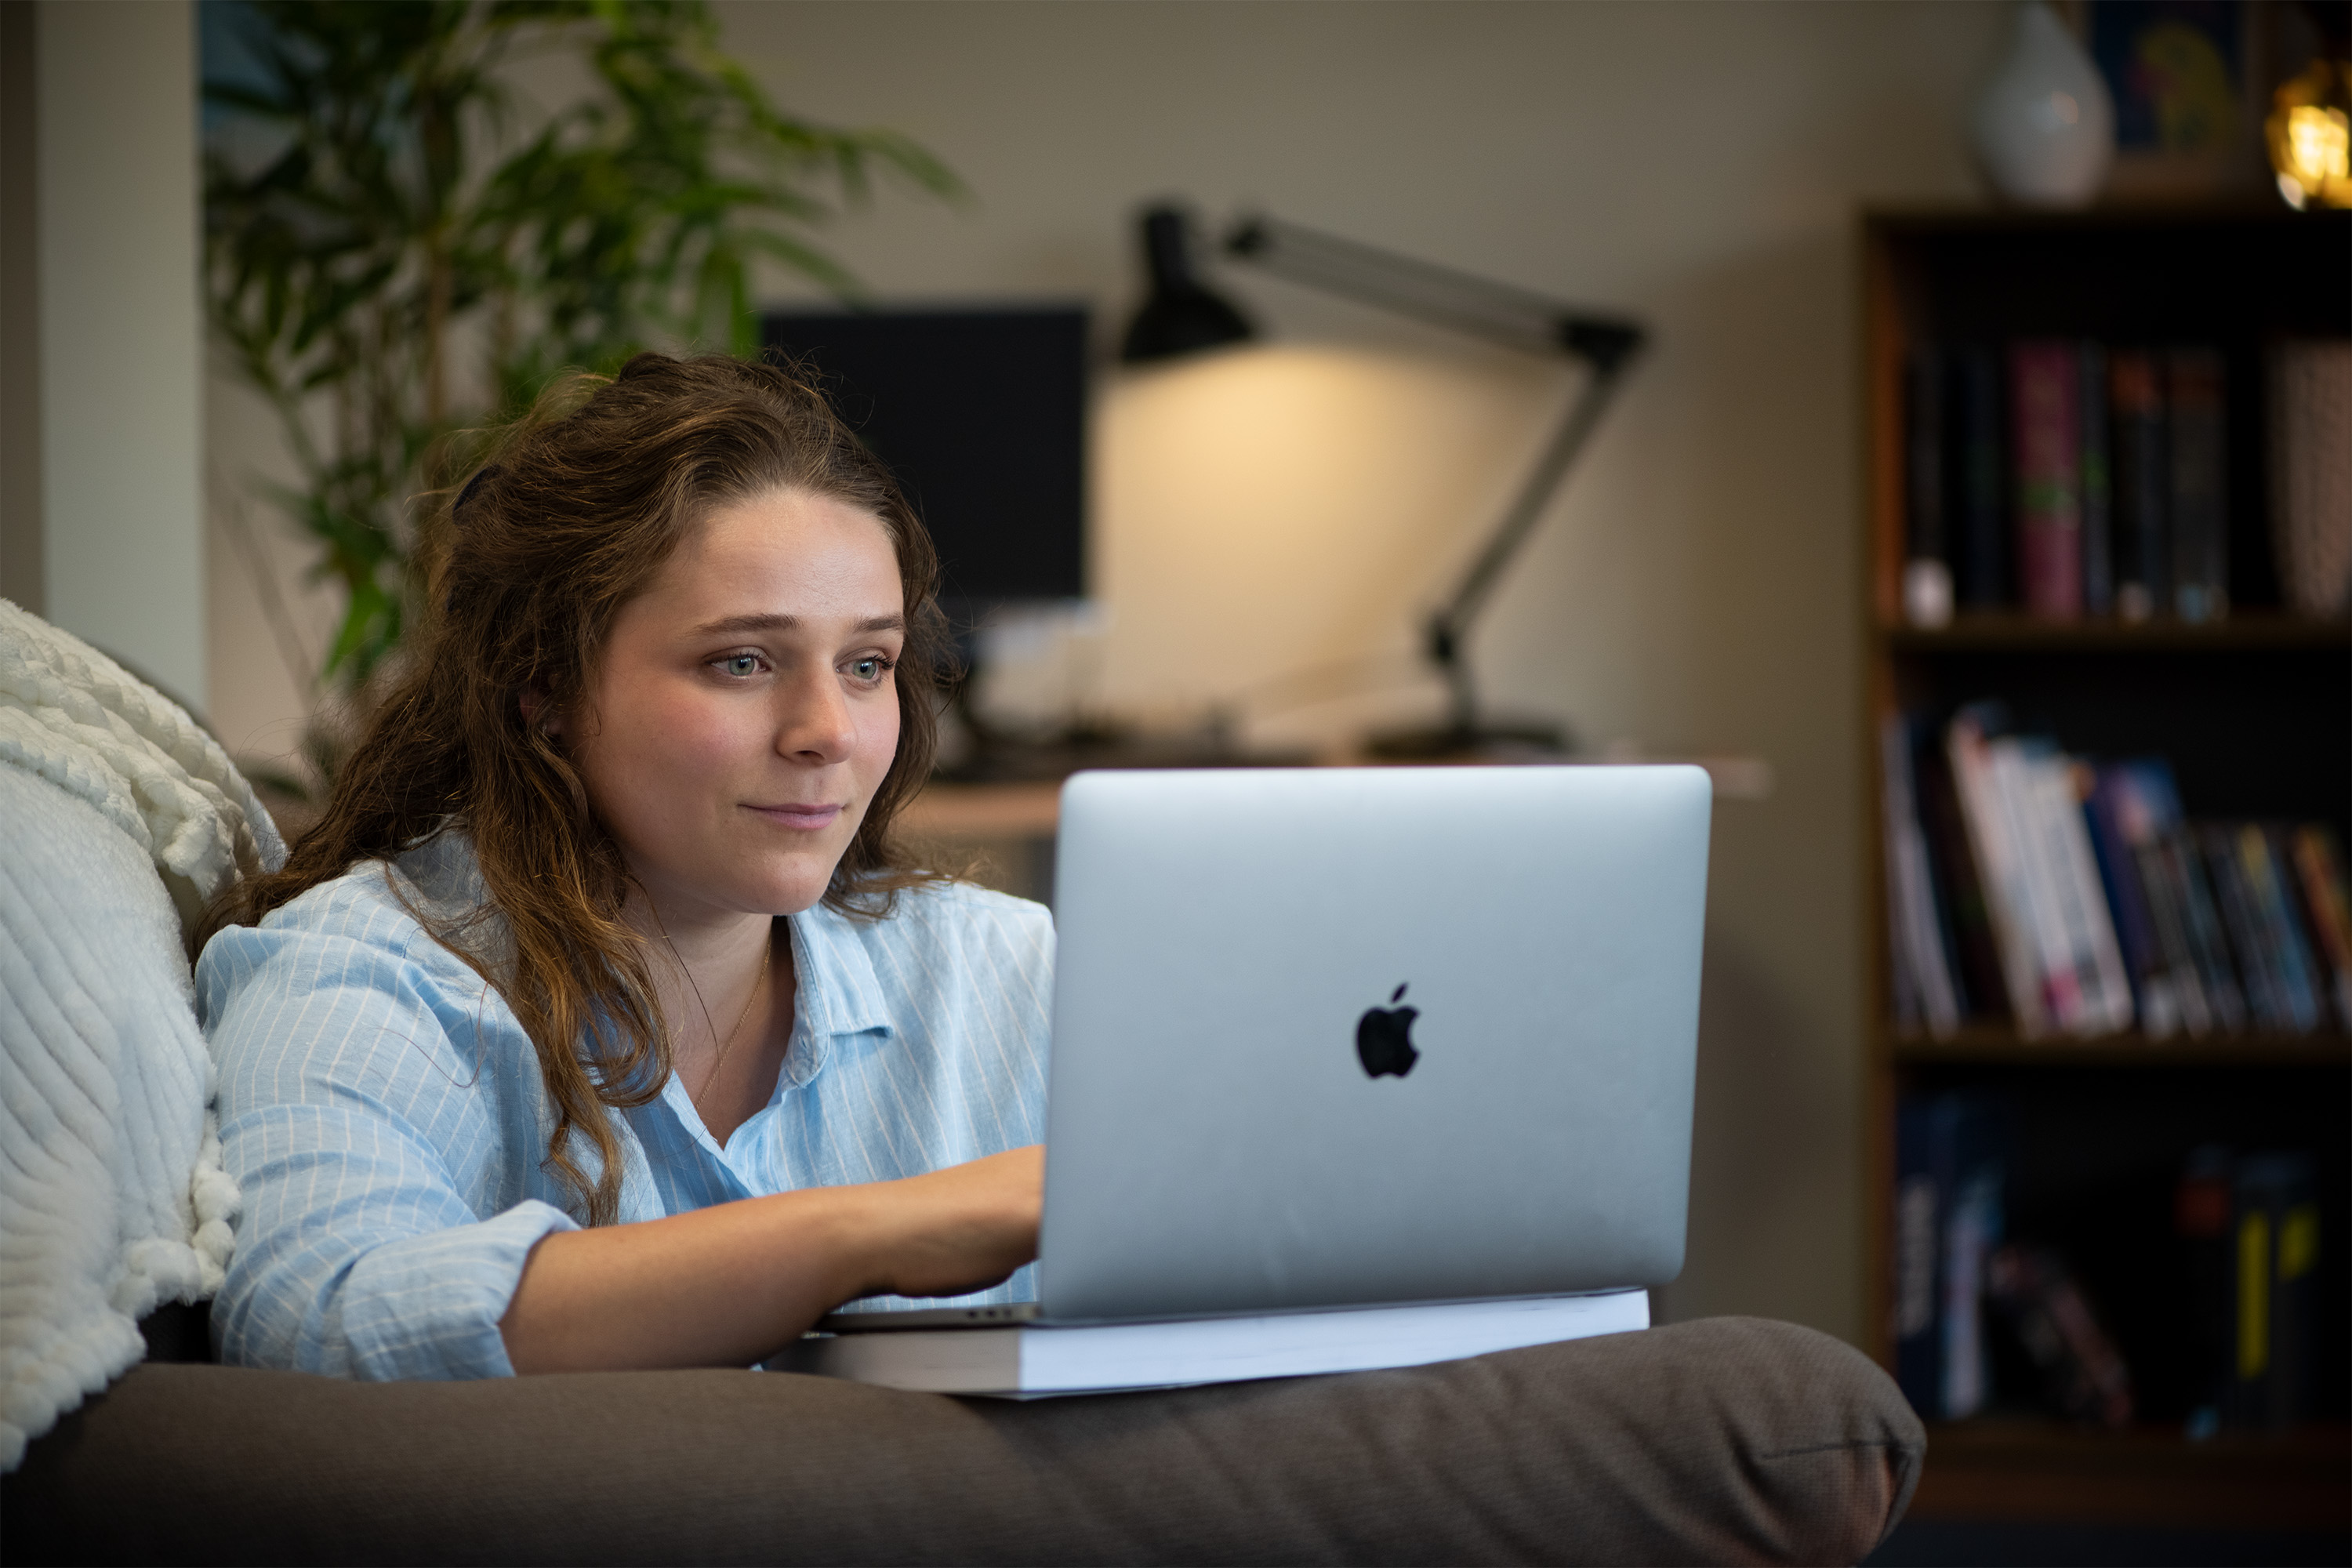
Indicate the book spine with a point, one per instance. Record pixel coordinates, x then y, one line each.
1901 969
1973 1224
1993 849
2098 955
2260 854
2029 821
2046 439
2159 831
1915 935
2309 416
2320 875
1949 1200
2104 810
1982 547
2276 1257
2142 485
2265 999
2097 478
2223 996
1971 1234
2199 472
2089 917
1963 901
2083 1372
1917 1253
2294 1301
1942 893
1927 559
2204 1205
2168 915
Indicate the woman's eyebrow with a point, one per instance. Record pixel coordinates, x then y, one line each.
731 625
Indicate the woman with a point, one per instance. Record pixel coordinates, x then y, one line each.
605 924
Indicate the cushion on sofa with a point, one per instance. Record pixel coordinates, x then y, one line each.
1728 1440
119 816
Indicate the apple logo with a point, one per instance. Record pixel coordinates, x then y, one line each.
1384 1038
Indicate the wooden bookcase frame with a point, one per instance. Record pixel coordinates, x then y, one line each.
2031 1471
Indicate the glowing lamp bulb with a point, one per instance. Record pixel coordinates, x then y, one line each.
2310 135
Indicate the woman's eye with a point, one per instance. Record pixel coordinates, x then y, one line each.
870 669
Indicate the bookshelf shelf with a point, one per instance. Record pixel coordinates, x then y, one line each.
2149 1475
2253 714
1979 1043
1980 631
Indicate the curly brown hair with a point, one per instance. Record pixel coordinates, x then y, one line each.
580 504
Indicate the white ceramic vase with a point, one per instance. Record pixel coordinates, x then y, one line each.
2044 126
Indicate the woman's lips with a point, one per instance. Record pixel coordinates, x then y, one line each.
805 818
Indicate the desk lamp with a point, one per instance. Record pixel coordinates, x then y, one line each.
1175 321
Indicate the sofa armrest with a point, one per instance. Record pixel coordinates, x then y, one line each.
1728 1440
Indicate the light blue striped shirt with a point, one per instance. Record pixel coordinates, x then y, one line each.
384 1111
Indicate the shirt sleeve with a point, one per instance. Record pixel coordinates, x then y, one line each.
384 1230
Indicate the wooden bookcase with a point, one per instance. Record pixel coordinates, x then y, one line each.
2255 714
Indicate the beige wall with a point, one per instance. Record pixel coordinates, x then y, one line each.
120 406
1695 589
20 312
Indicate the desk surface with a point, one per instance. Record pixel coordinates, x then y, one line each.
1032 810
983 811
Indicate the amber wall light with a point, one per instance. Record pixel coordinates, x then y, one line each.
2310 131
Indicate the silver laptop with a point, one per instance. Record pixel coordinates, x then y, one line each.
1333 1036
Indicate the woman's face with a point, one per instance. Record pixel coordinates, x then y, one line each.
745 712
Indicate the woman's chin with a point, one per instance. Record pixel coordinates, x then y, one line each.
789 888
745 878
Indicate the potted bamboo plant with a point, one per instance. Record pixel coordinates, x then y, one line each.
394 258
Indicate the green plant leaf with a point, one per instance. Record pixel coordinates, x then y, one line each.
394 216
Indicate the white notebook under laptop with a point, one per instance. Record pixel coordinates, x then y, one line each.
1352 1067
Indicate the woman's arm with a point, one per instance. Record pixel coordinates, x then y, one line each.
384 1146
726 1285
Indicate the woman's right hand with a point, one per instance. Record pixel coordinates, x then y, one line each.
962 1228
726 1285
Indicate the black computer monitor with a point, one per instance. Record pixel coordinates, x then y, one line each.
981 415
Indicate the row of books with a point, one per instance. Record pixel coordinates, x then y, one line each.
1950 1175
2249 1231
2066 477
2250 1225
2078 899
1952 1261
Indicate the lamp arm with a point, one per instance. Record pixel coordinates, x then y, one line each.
1463 303
1477 306
1449 625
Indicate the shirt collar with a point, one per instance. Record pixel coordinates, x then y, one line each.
838 984
838 989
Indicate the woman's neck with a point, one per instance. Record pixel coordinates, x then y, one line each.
699 961
713 946
726 991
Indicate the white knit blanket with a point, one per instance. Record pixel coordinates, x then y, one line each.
119 820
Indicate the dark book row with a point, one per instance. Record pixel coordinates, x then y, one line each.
2070 478
2065 896
1968 1297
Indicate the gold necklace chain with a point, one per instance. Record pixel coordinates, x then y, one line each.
768 951
767 968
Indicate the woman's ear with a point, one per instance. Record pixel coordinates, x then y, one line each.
533 701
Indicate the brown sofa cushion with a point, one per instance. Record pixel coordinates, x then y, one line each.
1728 1440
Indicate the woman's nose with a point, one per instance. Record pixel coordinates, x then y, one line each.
817 722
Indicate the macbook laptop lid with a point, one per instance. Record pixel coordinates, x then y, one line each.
1338 1035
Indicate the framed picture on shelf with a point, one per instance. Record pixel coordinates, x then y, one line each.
2188 80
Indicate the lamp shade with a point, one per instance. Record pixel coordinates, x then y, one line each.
1179 316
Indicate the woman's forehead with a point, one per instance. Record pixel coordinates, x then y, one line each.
784 552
